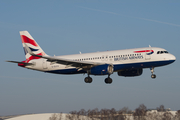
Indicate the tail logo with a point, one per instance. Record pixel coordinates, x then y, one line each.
30 46
32 49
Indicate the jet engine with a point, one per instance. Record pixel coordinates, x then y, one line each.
105 69
130 72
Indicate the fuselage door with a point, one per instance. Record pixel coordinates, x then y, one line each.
148 55
44 64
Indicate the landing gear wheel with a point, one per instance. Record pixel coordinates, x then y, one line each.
108 80
152 71
153 76
88 80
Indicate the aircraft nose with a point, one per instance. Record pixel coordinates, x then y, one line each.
172 57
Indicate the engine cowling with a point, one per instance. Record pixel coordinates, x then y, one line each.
130 72
102 69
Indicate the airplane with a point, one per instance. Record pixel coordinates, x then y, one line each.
127 63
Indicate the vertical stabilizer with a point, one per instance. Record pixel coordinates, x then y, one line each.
28 41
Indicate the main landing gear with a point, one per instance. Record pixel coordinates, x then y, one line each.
152 71
88 79
108 80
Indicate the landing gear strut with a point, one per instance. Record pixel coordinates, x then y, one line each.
108 80
152 71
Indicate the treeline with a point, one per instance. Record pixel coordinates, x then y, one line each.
140 113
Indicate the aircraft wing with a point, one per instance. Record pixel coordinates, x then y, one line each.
68 62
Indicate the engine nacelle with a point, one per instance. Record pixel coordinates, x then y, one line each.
130 72
102 69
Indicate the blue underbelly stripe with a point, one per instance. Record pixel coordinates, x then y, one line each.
117 67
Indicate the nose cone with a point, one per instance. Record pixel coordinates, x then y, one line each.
172 58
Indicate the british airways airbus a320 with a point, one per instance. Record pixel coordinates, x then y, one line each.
128 63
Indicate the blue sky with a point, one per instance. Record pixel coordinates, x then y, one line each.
67 27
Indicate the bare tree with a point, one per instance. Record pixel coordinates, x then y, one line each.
154 116
83 112
167 116
177 116
53 117
72 115
60 116
140 112
113 114
161 108
123 113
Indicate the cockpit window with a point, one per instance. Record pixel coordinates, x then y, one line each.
161 52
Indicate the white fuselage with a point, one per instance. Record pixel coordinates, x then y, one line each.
120 59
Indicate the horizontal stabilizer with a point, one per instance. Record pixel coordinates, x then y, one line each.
21 63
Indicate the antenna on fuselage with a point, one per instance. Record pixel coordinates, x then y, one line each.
149 45
79 52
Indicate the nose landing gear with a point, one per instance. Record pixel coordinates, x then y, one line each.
152 71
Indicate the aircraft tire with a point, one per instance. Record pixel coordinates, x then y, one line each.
108 80
88 80
153 76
